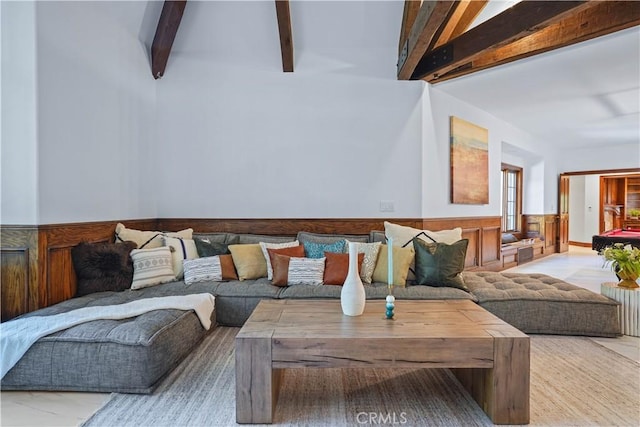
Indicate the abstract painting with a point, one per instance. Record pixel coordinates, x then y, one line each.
469 163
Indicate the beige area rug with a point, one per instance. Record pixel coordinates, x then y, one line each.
574 382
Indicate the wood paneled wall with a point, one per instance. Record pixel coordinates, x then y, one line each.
37 269
543 226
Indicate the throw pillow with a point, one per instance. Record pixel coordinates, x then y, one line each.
202 270
297 271
151 267
249 261
295 251
370 251
305 236
440 264
403 235
402 259
207 248
148 239
102 267
337 267
228 269
181 249
265 246
317 250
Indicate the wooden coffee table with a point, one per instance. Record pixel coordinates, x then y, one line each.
488 356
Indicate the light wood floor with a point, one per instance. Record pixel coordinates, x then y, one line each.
580 266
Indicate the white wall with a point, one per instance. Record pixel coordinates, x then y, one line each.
584 211
18 136
604 157
242 139
96 113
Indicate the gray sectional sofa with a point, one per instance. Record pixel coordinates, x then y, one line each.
133 355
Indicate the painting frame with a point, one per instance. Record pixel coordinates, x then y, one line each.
469 155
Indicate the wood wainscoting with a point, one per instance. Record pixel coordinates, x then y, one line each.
544 227
37 269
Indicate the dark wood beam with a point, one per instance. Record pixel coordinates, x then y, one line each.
509 26
286 35
424 30
411 9
461 16
166 31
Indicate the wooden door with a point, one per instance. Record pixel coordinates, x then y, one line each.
563 214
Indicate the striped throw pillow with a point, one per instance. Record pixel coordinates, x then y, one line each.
297 271
202 270
151 267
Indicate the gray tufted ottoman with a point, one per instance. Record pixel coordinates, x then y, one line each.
541 304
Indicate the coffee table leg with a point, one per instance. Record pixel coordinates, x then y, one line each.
256 383
502 391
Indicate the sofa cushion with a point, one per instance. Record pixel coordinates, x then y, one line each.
257 238
541 304
102 267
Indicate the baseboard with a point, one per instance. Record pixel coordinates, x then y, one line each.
583 244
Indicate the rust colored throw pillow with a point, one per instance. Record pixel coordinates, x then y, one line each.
295 251
228 269
280 264
337 267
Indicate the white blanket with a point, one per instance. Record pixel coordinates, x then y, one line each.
17 336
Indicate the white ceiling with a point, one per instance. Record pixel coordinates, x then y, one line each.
582 95
579 96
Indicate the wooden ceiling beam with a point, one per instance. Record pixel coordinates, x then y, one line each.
515 23
462 15
166 31
286 36
425 29
411 9
599 19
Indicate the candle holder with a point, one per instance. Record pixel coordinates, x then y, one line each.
390 304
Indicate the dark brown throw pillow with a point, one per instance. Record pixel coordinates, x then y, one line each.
280 265
337 267
102 267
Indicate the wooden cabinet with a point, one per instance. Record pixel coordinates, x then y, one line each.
618 195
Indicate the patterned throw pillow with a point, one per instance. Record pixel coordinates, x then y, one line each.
317 250
264 246
151 267
181 249
370 251
336 267
202 270
297 271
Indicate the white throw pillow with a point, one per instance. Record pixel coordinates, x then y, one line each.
148 239
264 246
370 251
151 267
402 235
181 249
202 270
306 271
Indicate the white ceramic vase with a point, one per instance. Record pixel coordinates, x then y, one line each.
352 296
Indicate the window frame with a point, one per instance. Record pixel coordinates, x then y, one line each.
518 171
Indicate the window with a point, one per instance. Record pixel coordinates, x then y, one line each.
511 197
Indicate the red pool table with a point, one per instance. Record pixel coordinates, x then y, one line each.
628 236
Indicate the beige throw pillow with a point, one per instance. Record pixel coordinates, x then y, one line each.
402 259
148 239
249 261
403 235
151 267
181 249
